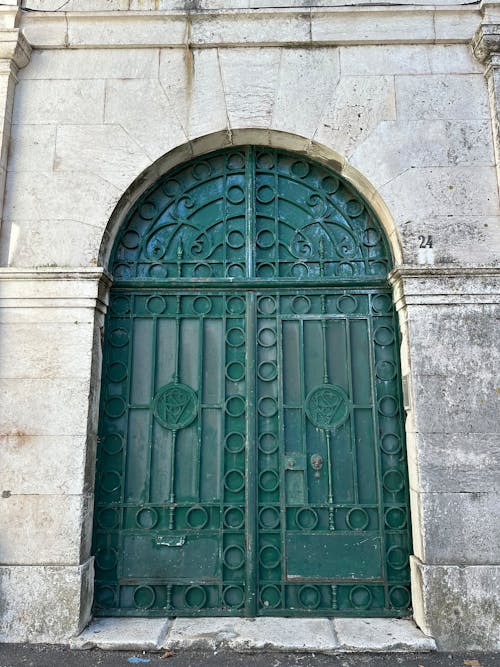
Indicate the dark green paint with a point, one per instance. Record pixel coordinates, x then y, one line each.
251 457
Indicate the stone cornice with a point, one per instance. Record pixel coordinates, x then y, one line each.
445 285
55 273
14 47
48 287
378 24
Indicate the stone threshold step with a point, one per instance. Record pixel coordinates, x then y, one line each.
319 635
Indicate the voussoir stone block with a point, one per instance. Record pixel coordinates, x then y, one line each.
151 121
356 107
104 150
250 79
308 75
192 82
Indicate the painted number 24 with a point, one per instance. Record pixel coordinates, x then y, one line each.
425 241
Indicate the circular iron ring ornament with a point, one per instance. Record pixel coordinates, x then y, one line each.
327 406
175 406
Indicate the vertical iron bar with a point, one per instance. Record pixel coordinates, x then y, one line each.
331 519
326 380
302 394
154 344
250 222
352 421
378 462
199 432
127 418
251 462
171 499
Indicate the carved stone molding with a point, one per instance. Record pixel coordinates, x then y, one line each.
486 43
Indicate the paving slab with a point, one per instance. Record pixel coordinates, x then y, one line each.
246 634
126 634
381 634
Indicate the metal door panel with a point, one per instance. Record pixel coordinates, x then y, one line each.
177 556
338 555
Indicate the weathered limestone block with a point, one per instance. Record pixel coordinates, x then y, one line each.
307 82
237 634
151 121
250 78
40 350
396 146
365 25
459 528
44 529
80 196
45 603
456 403
43 464
192 82
44 406
448 97
32 147
457 463
408 59
91 64
57 101
253 27
50 242
104 150
355 109
459 606
472 328
456 239
442 191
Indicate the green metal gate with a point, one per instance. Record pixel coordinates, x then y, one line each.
251 456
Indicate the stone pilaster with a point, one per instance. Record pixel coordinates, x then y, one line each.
448 317
50 325
486 48
15 53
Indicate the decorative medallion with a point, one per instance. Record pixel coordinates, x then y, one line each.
327 406
175 406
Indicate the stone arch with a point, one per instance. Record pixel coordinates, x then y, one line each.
259 137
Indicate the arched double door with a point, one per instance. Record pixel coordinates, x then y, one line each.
251 455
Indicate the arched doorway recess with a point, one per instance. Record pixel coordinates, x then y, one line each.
251 455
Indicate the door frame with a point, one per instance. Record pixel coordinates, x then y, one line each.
286 142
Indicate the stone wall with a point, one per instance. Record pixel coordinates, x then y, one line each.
395 99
